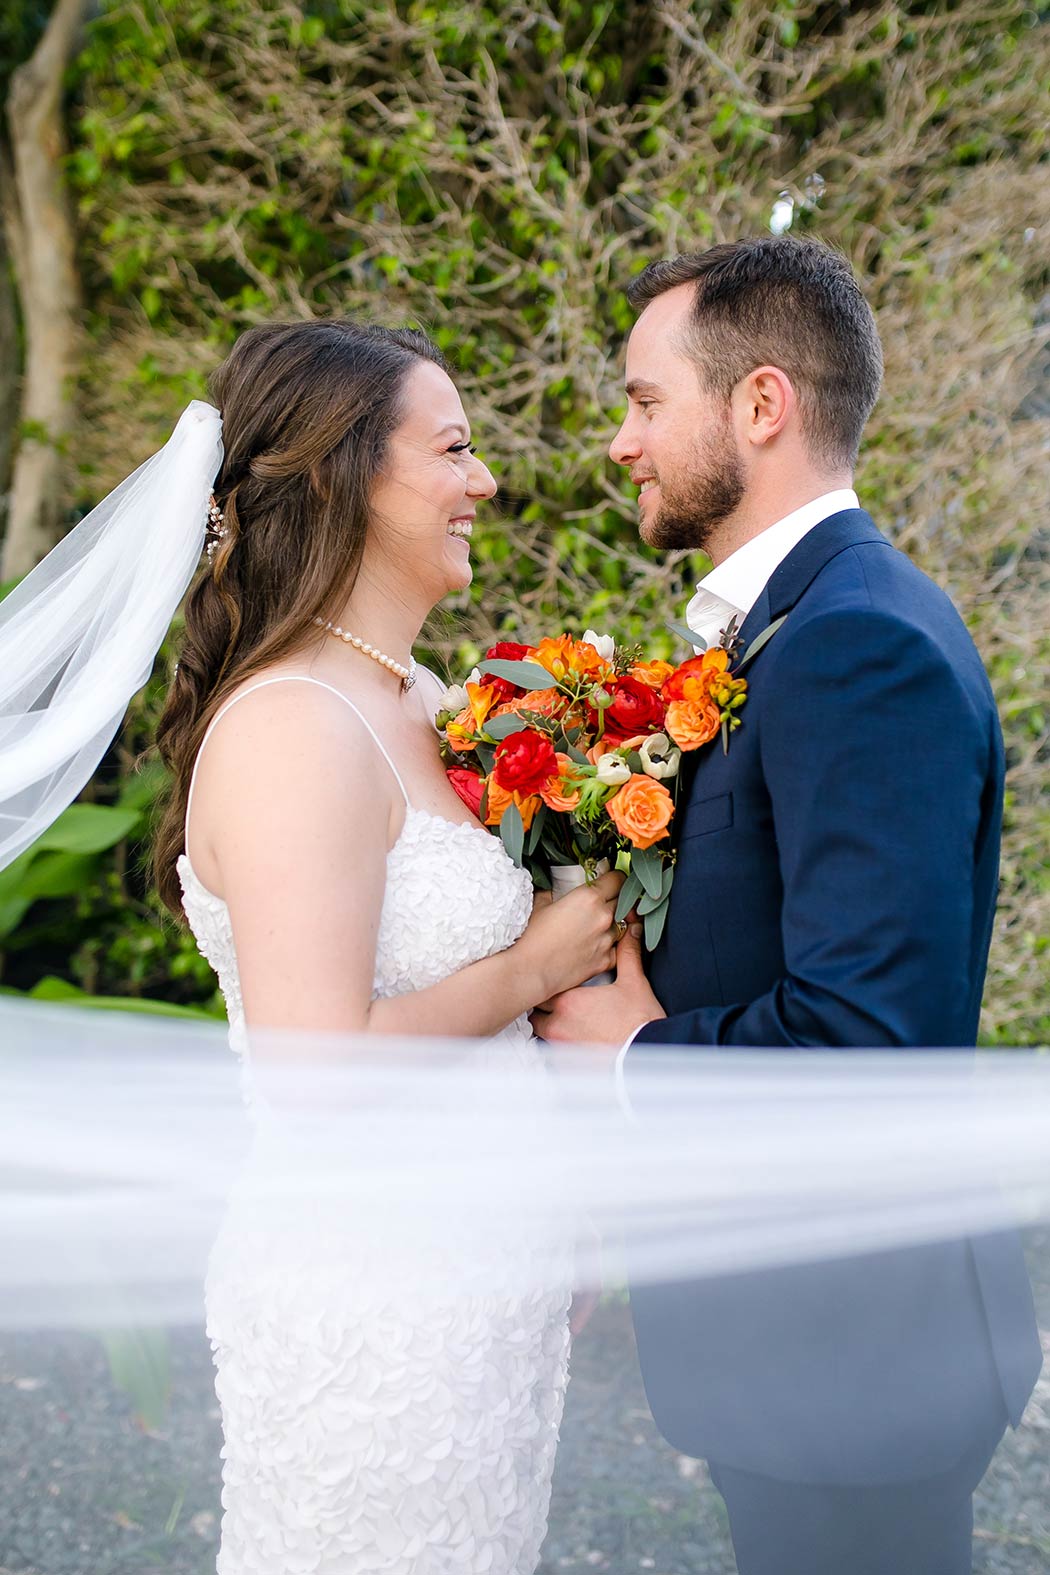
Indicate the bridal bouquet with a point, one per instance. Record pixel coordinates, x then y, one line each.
570 751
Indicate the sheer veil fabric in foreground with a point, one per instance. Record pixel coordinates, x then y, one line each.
437 1199
125 1139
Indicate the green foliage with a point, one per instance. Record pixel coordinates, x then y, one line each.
78 919
140 1366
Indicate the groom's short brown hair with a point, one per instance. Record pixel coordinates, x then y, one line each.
780 301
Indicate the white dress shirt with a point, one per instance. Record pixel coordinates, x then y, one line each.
732 589
736 584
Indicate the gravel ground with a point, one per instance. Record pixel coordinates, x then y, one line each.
85 1490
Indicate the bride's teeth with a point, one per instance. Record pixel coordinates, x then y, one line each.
462 529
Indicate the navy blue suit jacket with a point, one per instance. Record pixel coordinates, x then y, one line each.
835 886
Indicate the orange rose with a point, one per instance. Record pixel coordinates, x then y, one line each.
499 800
641 811
692 681
693 722
543 702
654 673
559 794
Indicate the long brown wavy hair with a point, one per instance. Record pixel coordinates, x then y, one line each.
307 412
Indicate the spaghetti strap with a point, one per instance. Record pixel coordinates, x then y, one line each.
285 678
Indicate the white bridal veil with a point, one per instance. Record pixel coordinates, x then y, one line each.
124 1138
78 636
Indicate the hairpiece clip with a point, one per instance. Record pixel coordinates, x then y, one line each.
215 528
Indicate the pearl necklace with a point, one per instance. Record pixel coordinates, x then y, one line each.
407 674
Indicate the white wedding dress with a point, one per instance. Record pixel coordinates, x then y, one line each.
369 1427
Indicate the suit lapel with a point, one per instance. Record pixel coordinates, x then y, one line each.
816 549
786 586
800 568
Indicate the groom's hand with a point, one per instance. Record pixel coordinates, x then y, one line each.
605 1014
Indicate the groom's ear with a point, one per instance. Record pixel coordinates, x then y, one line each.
764 403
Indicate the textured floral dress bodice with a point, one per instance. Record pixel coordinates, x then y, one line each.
369 1428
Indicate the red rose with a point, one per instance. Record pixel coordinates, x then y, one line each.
525 762
469 786
507 651
504 651
636 708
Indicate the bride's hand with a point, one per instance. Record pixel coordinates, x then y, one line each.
569 941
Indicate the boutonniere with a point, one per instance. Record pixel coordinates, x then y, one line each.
705 695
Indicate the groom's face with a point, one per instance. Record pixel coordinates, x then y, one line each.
677 439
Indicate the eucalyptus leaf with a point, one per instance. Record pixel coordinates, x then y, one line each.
690 636
648 904
527 675
551 849
649 868
536 830
577 755
760 640
630 892
654 924
512 832
540 879
500 727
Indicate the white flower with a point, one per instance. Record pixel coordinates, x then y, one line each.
454 700
604 644
613 770
474 676
667 760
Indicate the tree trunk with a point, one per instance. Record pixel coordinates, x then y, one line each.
49 291
10 377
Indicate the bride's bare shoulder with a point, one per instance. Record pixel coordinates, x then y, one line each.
283 723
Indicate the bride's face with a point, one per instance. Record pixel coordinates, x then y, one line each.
423 504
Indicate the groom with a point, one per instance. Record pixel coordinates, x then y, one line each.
835 886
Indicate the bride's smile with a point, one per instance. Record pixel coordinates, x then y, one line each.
425 501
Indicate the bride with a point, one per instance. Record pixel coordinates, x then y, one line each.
307 776
331 876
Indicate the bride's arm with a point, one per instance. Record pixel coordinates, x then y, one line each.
301 809
573 939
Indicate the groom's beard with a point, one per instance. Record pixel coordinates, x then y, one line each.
694 506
